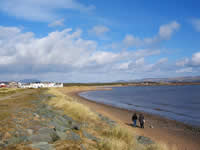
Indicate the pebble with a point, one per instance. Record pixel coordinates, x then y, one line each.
151 126
7 135
29 131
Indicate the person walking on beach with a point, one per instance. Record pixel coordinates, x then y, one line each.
134 119
141 120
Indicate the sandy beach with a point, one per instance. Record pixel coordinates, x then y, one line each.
175 135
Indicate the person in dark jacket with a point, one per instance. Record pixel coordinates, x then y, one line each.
141 120
134 119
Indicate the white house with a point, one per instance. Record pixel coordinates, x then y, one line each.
40 85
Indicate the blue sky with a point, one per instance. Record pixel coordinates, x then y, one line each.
99 41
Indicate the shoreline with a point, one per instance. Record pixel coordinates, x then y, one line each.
163 130
189 126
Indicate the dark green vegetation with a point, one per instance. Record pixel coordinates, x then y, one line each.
131 84
94 84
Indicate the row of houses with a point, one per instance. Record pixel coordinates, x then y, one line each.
30 85
8 85
40 85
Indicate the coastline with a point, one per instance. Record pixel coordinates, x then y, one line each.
173 133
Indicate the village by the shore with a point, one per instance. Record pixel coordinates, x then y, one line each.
30 85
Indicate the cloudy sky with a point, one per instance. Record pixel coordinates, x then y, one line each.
98 40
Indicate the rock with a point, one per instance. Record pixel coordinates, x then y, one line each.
82 147
75 126
29 131
40 138
36 115
111 123
17 140
151 126
144 140
85 125
1 136
61 121
68 118
73 136
58 127
7 135
62 135
89 136
2 144
49 131
42 146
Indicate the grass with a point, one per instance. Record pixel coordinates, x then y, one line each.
71 107
118 138
111 138
9 91
10 106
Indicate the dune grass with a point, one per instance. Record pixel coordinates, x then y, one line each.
70 106
9 91
111 138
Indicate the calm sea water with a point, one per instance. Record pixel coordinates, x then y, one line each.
180 103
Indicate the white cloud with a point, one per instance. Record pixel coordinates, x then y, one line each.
182 62
196 58
196 24
167 30
57 48
123 66
130 40
140 61
165 33
57 23
62 49
162 60
189 65
66 54
41 10
185 70
102 57
193 61
99 30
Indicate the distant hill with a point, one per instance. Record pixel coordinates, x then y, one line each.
29 81
175 79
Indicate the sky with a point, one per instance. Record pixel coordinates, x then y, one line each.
98 40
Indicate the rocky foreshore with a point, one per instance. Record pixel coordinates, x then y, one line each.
41 126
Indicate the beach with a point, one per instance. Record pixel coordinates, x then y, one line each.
174 134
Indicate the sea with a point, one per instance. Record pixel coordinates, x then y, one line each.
181 103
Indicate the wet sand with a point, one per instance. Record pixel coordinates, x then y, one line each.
170 132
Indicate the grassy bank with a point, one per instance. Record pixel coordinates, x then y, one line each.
116 137
9 91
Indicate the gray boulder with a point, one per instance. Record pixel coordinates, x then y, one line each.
73 136
48 131
144 140
83 147
43 146
16 140
62 135
2 144
89 136
40 138
58 126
